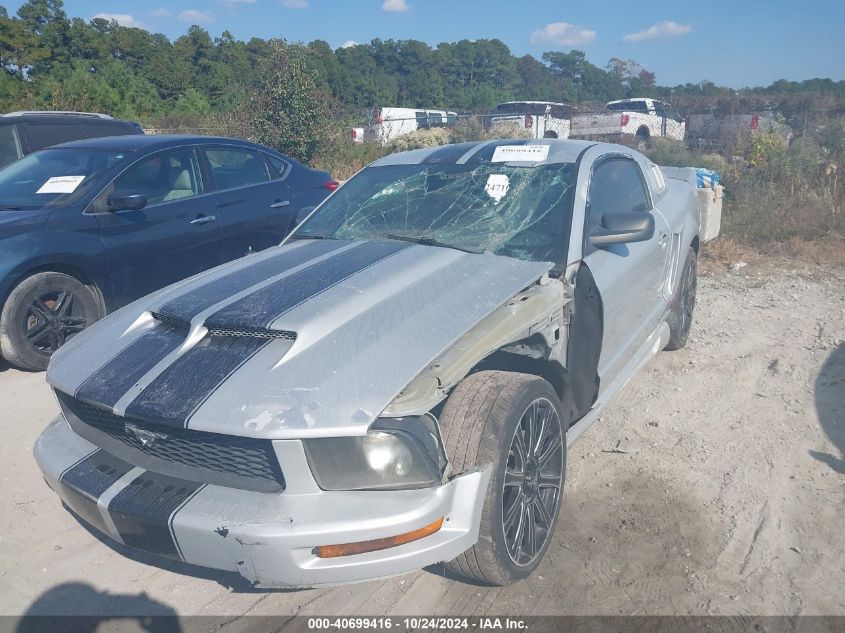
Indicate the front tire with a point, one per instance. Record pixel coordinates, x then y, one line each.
683 303
41 314
512 422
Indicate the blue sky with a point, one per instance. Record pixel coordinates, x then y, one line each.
737 43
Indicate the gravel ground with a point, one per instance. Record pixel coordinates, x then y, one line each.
715 484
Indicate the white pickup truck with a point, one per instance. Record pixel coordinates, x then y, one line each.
639 118
542 119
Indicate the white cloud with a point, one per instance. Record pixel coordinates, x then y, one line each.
161 13
195 17
295 4
123 19
349 44
563 34
233 4
395 6
659 31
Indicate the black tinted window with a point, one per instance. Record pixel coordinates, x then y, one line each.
236 168
617 187
628 106
109 128
10 144
43 135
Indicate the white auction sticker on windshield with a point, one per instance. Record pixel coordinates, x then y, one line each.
497 186
520 153
61 184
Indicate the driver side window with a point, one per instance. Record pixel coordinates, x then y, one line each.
616 187
163 177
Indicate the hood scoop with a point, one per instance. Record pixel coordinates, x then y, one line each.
221 330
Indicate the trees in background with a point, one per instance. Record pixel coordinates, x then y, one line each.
49 60
286 110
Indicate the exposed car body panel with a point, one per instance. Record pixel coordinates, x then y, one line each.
348 305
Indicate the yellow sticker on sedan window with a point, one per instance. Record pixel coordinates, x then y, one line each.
61 184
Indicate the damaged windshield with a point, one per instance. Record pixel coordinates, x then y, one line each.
521 212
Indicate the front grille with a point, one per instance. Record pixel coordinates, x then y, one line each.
251 332
226 460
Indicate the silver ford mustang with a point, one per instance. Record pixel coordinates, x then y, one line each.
393 386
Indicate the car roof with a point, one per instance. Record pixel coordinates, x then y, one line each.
63 117
560 151
155 141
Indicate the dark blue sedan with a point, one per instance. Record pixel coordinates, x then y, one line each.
88 226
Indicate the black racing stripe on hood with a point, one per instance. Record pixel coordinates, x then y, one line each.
188 305
106 386
143 512
262 307
485 154
451 153
175 394
83 483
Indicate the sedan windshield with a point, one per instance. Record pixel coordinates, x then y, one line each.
53 177
522 212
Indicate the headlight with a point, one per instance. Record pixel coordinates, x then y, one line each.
396 453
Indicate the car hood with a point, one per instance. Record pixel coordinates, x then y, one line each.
310 339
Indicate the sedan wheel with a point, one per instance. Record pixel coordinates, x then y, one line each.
41 314
51 318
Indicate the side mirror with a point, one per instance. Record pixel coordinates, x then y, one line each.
623 228
126 202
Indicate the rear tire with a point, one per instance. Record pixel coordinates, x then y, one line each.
487 421
683 303
41 314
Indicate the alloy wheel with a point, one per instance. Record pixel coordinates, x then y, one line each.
51 318
531 491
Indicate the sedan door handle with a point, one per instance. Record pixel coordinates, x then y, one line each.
204 219
663 239
278 204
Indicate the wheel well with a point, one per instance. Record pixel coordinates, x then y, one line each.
71 271
695 244
643 131
556 374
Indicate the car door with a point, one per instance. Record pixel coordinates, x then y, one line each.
628 276
256 203
176 234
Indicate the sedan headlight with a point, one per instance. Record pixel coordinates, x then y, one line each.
396 453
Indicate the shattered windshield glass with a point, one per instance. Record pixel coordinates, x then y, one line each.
521 212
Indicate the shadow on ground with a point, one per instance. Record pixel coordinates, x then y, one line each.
91 608
830 406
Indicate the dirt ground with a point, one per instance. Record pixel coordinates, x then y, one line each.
715 484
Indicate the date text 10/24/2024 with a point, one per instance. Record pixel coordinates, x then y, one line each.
417 623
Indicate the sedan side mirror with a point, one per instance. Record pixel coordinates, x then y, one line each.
126 202
623 228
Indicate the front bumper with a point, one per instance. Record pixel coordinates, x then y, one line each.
267 538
